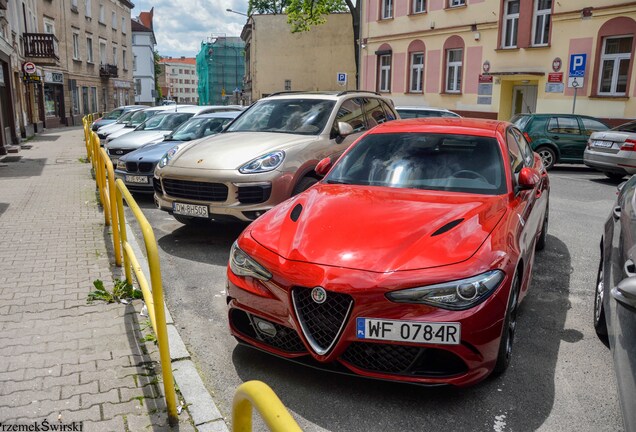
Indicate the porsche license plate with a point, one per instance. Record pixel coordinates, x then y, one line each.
190 210
136 179
408 331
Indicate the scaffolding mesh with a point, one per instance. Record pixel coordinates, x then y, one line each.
220 68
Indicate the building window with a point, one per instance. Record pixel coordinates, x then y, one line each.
89 50
123 59
113 18
87 9
123 25
137 87
542 11
511 23
94 99
454 70
76 47
115 55
387 9
102 52
455 3
134 62
385 73
49 26
614 71
102 19
287 85
419 6
75 100
417 67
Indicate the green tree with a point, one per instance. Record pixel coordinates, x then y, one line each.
158 94
303 14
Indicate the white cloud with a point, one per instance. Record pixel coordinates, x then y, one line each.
181 25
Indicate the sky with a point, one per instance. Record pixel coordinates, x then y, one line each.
181 25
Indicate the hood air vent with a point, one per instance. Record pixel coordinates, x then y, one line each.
295 213
449 226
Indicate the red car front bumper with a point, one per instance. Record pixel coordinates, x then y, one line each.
354 294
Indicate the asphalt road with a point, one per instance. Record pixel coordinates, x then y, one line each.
561 377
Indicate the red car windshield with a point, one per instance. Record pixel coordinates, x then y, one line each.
458 163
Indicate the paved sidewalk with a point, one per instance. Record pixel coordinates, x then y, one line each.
62 360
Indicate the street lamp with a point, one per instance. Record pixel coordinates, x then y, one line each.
240 13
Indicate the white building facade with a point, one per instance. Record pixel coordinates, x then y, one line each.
143 42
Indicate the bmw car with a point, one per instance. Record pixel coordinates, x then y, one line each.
136 168
408 261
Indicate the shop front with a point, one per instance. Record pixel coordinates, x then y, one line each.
121 93
54 112
7 114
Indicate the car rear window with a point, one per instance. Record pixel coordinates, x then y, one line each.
444 162
520 121
627 127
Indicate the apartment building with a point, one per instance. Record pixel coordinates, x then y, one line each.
143 41
278 60
178 80
496 58
84 49
21 100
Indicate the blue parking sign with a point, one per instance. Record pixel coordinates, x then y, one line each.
577 65
342 78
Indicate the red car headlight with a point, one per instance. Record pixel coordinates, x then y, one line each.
456 295
242 264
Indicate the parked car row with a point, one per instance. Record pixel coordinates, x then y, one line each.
318 174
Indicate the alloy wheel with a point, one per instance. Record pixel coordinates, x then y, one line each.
547 157
600 292
512 321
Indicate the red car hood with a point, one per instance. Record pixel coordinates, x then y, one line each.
379 229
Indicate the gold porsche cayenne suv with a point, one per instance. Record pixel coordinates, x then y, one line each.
265 155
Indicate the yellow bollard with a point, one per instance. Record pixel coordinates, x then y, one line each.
269 406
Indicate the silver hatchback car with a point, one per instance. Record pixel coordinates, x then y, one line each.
613 151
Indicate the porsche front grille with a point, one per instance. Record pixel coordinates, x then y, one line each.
321 323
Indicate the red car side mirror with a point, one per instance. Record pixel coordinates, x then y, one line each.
323 167
528 178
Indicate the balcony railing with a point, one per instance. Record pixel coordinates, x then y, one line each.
108 71
40 46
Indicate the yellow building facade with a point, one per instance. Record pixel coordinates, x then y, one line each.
496 58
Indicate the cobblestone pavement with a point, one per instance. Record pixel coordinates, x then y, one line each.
61 359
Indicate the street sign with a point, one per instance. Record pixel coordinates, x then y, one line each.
575 82
555 77
577 65
341 78
29 68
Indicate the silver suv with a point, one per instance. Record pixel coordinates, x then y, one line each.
264 156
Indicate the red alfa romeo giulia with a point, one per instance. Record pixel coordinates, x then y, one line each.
407 262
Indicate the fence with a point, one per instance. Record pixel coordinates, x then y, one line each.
112 194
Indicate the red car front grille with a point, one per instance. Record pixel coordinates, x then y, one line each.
321 323
403 359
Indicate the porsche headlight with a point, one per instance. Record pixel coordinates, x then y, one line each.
242 264
265 163
121 165
169 155
456 295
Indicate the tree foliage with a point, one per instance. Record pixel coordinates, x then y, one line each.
159 96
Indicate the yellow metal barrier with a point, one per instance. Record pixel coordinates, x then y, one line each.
153 294
271 409
107 179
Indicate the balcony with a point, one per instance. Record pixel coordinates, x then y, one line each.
108 71
41 48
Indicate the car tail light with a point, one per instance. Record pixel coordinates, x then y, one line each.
629 145
527 137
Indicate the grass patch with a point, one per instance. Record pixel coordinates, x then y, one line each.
121 291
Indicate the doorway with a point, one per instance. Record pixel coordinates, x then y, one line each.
524 99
